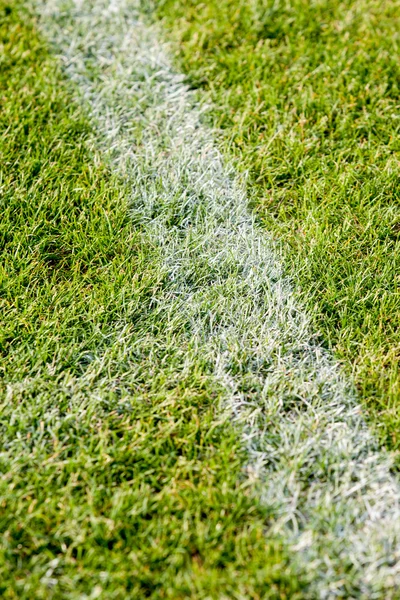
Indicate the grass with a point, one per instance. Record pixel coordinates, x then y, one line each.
225 310
119 476
307 96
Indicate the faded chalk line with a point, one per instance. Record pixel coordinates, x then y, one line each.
311 456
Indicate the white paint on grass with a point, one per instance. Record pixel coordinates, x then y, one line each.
311 456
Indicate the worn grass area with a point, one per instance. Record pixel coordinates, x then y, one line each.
118 477
307 94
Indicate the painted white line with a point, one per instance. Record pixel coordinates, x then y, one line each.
311 456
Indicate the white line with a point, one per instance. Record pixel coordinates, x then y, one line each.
310 454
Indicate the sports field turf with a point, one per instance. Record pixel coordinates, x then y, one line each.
307 94
172 426
102 496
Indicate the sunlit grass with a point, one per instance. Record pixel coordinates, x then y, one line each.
118 477
307 94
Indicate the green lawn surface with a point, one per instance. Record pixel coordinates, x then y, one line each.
119 478
307 97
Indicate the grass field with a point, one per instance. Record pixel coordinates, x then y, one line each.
307 94
119 477
171 426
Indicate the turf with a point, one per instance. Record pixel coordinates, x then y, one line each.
307 443
307 95
225 309
119 477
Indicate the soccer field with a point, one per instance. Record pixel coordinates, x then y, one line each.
200 299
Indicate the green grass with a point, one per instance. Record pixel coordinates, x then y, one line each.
307 95
119 478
